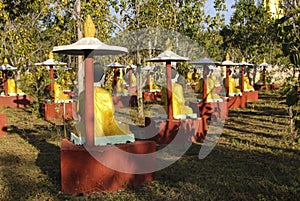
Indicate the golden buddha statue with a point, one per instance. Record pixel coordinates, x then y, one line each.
153 86
11 85
121 83
213 86
178 100
189 77
59 94
104 120
233 90
247 85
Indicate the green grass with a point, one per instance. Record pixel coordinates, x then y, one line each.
255 159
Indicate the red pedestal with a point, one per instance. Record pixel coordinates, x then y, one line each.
264 87
14 101
82 173
55 111
125 101
148 96
236 102
3 127
213 110
152 96
163 131
251 96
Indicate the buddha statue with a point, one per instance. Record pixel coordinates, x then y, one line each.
247 85
11 85
153 86
180 110
104 120
121 83
195 75
59 94
213 86
233 90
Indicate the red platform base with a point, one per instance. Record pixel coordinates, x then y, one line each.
3 127
14 101
55 111
251 96
82 173
264 87
215 110
152 96
163 131
236 102
125 101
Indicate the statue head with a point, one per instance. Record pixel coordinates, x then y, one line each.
98 71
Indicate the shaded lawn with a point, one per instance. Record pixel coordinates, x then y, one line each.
255 159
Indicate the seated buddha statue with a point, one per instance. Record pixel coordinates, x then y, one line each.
247 85
104 120
213 86
233 90
180 110
59 95
121 83
153 86
11 84
189 77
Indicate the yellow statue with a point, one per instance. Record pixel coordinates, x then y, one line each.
233 90
12 88
11 85
195 76
153 86
104 120
178 100
59 94
189 77
247 85
212 85
105 123
121 84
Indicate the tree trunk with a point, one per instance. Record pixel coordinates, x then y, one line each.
80 75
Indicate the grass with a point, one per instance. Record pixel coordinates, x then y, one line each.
255 159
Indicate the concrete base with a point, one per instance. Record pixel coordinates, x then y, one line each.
163 131
55 111
3 127
82 173
251 96
125 101
14 101
235 102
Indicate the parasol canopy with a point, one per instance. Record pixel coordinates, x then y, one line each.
203 61
52 63
244 63
7 66
227 62
168 55
115 65
264 63
89 44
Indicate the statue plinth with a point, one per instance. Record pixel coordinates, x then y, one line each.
82 173
14 101
3 127
59 110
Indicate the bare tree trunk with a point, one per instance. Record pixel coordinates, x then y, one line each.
80 75
140 100
292 120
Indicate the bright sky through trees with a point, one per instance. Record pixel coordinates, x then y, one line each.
209 9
